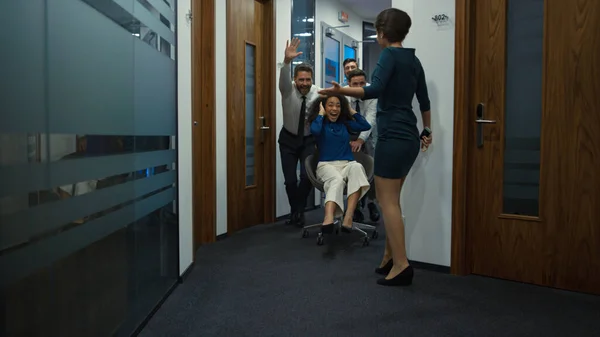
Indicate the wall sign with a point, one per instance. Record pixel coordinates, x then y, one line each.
343 16
440 19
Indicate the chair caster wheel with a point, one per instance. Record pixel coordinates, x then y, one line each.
365 242
320 240
305 233
375 235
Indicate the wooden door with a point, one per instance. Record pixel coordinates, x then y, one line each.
533 186
250 113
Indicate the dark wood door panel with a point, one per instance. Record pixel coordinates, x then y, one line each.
560 245
250 85
571 151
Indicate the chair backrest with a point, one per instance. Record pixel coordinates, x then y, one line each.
367 162
310 165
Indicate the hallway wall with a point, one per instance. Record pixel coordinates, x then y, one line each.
427 193
184 134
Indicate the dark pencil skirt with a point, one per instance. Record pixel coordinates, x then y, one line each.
395 157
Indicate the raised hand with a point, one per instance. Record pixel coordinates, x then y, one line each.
291 50
321 109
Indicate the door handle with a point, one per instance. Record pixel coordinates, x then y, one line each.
263 128
480 122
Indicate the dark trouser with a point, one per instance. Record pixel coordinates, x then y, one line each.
294 150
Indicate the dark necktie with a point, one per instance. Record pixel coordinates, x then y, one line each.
354 134
302 119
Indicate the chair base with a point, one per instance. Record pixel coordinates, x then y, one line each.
356 227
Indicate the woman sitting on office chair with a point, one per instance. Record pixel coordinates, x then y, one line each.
329 122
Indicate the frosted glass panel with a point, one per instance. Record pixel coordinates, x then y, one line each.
88 189
524 53
155 92
90 75
250 114
22 97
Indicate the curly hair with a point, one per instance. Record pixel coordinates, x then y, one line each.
394 24
345 114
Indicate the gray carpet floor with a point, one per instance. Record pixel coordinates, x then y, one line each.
267 281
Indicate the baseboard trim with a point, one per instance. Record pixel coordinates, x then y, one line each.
185 273
142 325
430 266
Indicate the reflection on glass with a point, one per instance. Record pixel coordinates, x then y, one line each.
303 27
250 113
331 60
524 52
349 52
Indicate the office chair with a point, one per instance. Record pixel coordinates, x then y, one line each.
311 167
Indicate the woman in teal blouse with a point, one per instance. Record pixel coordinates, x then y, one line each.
397 78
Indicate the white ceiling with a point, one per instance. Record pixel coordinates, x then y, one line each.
367 9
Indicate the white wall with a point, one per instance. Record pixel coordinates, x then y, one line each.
221 111
427 193
327 11
184 135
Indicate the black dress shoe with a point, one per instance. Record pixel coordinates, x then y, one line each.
300 220
358 216
373 212
293 219
385 269
403 279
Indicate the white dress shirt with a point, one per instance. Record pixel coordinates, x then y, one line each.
368 109
291 101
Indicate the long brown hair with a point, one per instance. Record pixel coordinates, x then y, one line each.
345 114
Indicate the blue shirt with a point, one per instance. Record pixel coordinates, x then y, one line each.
333 139
398 77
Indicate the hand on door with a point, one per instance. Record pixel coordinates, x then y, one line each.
291 50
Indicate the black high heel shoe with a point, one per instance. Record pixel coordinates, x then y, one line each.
403 279
385 269
327 229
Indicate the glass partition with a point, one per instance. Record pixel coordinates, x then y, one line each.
88 229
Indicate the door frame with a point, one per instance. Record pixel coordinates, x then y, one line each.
204 171
464 46
269 178
343 38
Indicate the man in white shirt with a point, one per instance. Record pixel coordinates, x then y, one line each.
364 141
295 141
